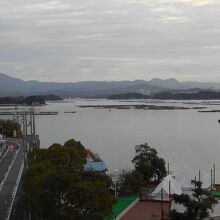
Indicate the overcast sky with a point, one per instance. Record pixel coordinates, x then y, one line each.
77 40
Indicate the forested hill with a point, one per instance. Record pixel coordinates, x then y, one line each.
188 96
11 86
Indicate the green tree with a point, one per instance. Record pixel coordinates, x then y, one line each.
37 155
196 207
71 155
9 126
91 200
58 156
76 151
56 186
94 176
130 182
148 163
37 198
35 99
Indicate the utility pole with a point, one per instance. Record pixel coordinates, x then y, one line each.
31 120
25 138
31 128
34 130
214 175
23 132
27 121
162 213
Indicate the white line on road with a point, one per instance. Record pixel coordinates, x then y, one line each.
15 191
9 169
4 155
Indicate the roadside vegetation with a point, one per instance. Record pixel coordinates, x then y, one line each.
56 186
9 126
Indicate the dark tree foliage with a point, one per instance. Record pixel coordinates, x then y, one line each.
29 100
148 163
130 182
91 199
11 100
201 95
9 126
56 186
71 155
197 207
94 176
78 148
35 99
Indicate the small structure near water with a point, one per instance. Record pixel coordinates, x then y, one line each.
94 162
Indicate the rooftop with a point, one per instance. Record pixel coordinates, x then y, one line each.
121 205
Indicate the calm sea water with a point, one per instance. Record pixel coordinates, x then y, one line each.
184 138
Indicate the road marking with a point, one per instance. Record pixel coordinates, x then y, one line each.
15 185
9 169
4 155
15 190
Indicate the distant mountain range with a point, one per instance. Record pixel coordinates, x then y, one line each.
11 86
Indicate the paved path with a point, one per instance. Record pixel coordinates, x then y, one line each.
11 166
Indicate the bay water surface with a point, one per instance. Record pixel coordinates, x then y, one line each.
187 139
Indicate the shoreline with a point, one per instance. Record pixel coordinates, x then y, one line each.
139 107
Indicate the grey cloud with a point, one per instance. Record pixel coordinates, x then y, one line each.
104 40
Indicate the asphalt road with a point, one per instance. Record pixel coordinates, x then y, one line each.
5 163
10 170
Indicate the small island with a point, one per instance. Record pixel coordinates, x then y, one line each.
29 100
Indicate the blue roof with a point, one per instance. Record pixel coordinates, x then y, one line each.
97 166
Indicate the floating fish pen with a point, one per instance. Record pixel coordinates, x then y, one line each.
22 113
